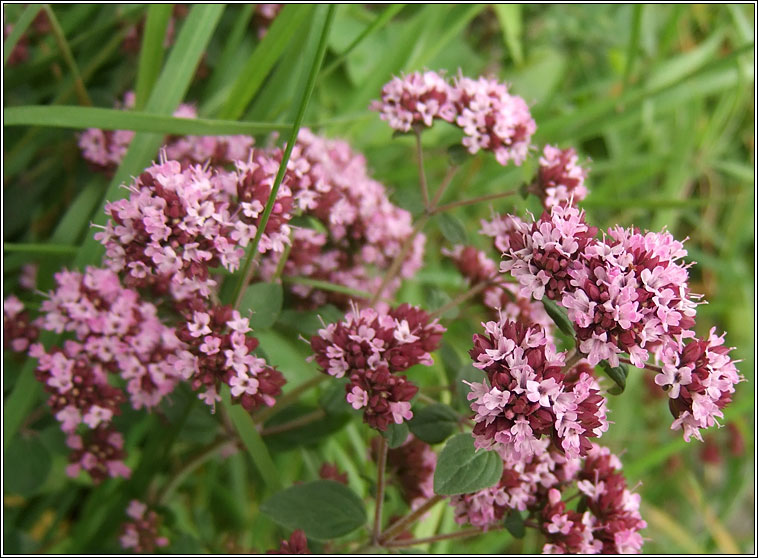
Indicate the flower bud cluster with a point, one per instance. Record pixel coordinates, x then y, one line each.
528 396
491 118
370 347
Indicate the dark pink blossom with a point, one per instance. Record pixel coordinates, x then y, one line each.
560 179
140 533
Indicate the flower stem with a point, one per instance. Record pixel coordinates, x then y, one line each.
399 259
472 201
444 184
293 424
574 357
421 171
651 367
396 528
447 536
381 466
461 298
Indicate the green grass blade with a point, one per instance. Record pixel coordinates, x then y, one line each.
254 444
39 248
510 18
262 60
113 119
151 53
24 20
382 19
170 89
68 56
252 250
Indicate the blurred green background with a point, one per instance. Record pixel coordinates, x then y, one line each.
659 102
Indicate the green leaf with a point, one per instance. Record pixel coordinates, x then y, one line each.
509 16
19 27
26 465
514 523
265 301
81 118
434 424
616 373
324 509
559 316
151 52
461 469
396 434
452 228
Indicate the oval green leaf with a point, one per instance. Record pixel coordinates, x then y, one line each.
434 424
559 316
461 469
452 229
616 373
324 509
396 434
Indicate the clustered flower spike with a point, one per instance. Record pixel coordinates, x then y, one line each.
612 521
370 347
527 395
178 223
115 333
560 179
609 524
700 381
416 99
491 118
219 350
140 533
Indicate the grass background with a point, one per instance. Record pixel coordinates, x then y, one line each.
659 99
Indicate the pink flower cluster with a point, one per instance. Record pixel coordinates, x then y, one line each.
177 224
611 522
699 380
370 347
625 293
141 533
413 466
560 179
218 350
361 231
529 396
416 99
115 333
491 118
18 330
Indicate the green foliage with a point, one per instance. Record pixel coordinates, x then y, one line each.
396 434
461 468
265 302
323 509
658 100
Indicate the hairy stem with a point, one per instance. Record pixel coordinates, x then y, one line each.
472 201
421 171
444 184
447 536
396 528
293 424
380 469
651 367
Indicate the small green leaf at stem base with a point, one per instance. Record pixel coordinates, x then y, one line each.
434 424
265 301
514 523
452 229
559 316
616 373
